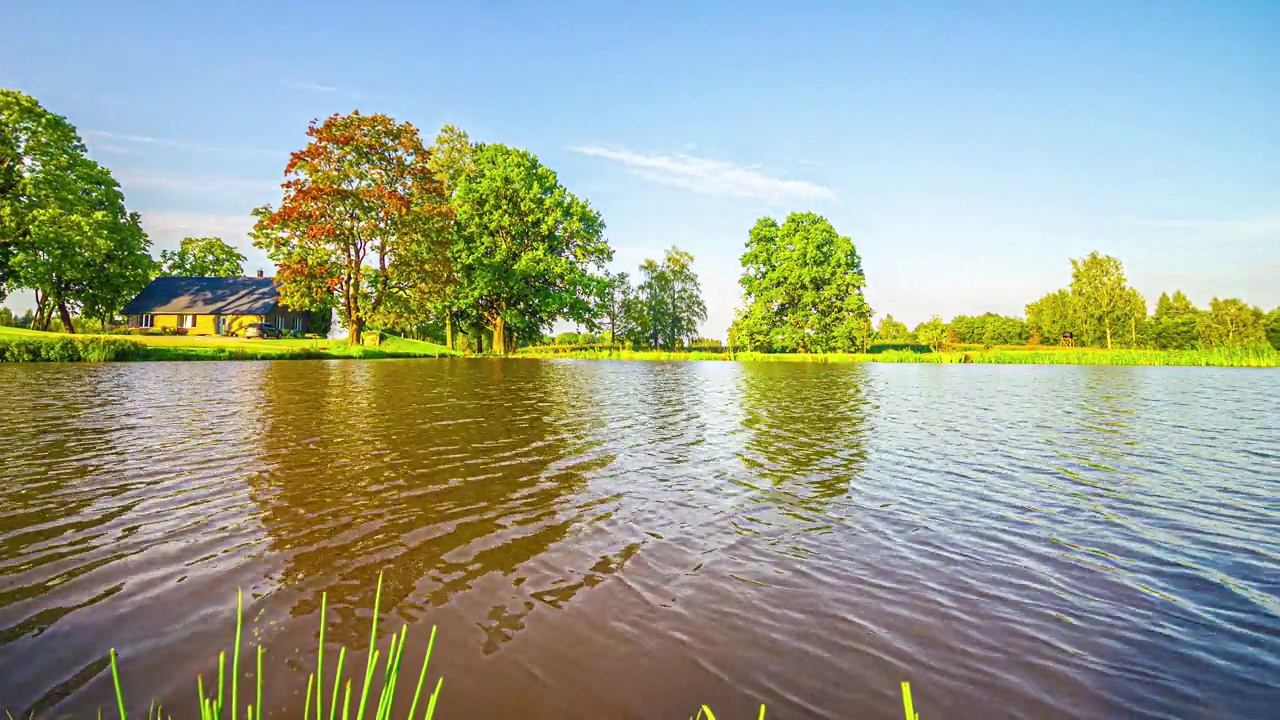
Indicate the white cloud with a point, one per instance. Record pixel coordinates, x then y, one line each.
711 177
1266 225
149 141
202 186
166 229
304 85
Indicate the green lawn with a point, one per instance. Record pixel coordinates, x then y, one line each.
180 347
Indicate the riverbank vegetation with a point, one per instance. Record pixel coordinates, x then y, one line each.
20 345
479 248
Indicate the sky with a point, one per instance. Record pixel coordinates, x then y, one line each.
969 149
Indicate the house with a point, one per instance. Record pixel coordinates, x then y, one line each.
212 305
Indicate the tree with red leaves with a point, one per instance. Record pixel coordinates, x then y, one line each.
364 223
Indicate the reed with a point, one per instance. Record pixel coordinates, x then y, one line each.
214 705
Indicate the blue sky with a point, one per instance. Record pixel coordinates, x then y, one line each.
969 149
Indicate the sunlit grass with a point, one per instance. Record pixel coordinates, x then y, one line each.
1255 356
17 345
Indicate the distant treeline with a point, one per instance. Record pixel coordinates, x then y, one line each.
1099 309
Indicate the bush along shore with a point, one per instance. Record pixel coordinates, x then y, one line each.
33 346
374 697
1249 356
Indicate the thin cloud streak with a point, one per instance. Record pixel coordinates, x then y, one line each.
710 177
1249 227
303 85
195 185
147 140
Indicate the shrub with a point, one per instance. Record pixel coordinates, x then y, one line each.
878 348
69 349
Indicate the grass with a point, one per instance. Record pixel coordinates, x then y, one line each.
1015 355
22 346
214 705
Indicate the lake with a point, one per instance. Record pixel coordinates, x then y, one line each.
613 539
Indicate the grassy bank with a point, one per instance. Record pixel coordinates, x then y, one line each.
1030 355
18 345
374 693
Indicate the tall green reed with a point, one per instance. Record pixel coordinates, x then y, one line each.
214 707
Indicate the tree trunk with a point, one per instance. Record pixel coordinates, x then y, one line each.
1133 331
448 329
65 314
1107 322
499 335
356 330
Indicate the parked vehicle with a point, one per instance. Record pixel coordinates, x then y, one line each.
262 331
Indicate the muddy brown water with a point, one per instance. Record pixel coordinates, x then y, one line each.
614 540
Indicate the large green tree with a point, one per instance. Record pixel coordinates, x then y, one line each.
64 231
932 332
1273 328
364 224
615 307
453 159
670 300
890 330
1175 323
803 288
1104 300
202 257
1053 315
1231 322
527 252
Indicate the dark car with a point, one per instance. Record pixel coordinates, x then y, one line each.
262 331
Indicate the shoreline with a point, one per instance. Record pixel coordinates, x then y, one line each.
34 346
1224 357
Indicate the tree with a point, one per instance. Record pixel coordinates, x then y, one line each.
527 251
1175 323
364 219
64 231
1053 315
891 330
615 305
1231 322
202 257
1102 294
932 333
803 286
1273 328
670 298
452 160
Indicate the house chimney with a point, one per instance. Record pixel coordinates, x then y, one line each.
259 273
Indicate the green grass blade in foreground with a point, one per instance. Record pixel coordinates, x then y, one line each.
373 654
115 678
324 606
908 706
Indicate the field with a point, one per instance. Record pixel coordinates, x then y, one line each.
178 347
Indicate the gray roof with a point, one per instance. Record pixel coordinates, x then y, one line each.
206 296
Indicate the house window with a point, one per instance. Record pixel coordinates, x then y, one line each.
187 321
147 321
297 324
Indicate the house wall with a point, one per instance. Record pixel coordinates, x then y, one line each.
285 320
205 324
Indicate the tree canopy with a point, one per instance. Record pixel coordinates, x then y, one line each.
364 222
64 231
527 252
202 257
803 288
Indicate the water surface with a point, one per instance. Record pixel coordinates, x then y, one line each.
611 539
